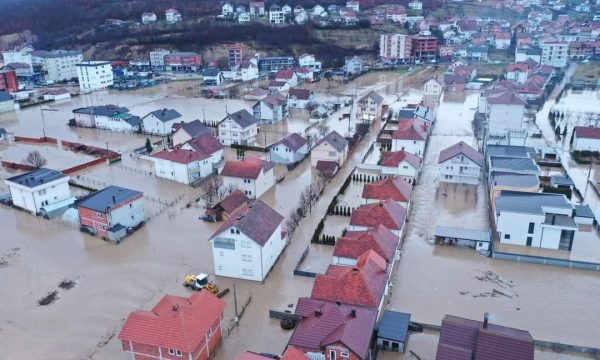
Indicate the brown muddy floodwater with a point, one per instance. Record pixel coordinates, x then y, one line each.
111 281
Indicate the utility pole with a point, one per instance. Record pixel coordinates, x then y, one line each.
237 319
587 182
42 110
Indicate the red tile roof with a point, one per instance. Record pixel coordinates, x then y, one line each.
521 66
325 323
300 94
506 98
232 202
206 143
327 167
249 168
396 189
355 243
461 148
175 322
252 356
468 339
413 129
362 284
587 132
256 220
284 74
293 353
394 158
388 213
181 156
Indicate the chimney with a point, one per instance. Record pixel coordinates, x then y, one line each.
353 313
486 317
175 308
318 312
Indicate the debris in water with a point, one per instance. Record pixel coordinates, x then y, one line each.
492 277
66 284
464 292
504 293
48 299
5 258
484 294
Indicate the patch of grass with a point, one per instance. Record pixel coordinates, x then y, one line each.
490 69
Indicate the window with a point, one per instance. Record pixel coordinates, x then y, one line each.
220 267
232 231
332 153
344 354
42 192
99 215
506 236
531 228
178 353
130 205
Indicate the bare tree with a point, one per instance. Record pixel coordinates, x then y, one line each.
213 191
323 129
234 92
35 159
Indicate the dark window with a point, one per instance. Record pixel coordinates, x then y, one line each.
507 236
531 228
529 240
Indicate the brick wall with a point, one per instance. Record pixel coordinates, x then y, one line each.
90 219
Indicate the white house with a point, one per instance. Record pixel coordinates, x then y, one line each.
505 112
299 98
401 163
157 58
354 5
148 18
212 77
309 61
301 17
460 164
333 147
370 107
257 8
183 132
415 5
555 53
238 128
94 75
432 87
353 65
276 15
172 16
518 72
586 138
291 149
182 166
20 55
227 10
7 103
160 122
271 109
287 10
411 136
110 117
249 70
206 144
57 94
541 220
243 250
243 18
317 10
288 76
42 187
253 176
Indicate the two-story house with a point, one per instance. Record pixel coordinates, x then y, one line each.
289 150
271 109
160 122
401 163
353 65
184 132
432 87
370 107
541 220
238 128
288 76
394 188
332 148
108 213
299 98
110 117
353 244
309 61
182 166
388 213
411 136
460 164
206 144
176 328
42 187
252 175
249 242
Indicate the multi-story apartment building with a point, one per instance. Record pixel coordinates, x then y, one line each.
58 65
157 58
183 60
395 47
555 53
94 75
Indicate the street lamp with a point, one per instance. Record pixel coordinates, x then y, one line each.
44 120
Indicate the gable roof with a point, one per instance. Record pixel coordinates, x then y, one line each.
249 168
193 128
506 98
233 201
300 94
211 72
256 220
373 95
274 100
587 132
324 323
175 322
388 213
165 115
293 141
104 110
206 143
36 177
413 129
243 118
334 139
461 148
355 243
285 74
181 156
396 189
362 284
469 339
394 158
108 197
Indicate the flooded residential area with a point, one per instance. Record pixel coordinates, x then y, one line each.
421 182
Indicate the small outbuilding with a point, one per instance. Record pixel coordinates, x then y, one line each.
477 239
392 333
584 215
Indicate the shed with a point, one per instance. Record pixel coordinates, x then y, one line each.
57 208
393 331
584 215
559 181
478 239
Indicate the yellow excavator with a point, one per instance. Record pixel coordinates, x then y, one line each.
199 282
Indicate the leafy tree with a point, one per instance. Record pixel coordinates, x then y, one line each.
148 146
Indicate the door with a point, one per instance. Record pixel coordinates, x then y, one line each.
529 240
332 354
